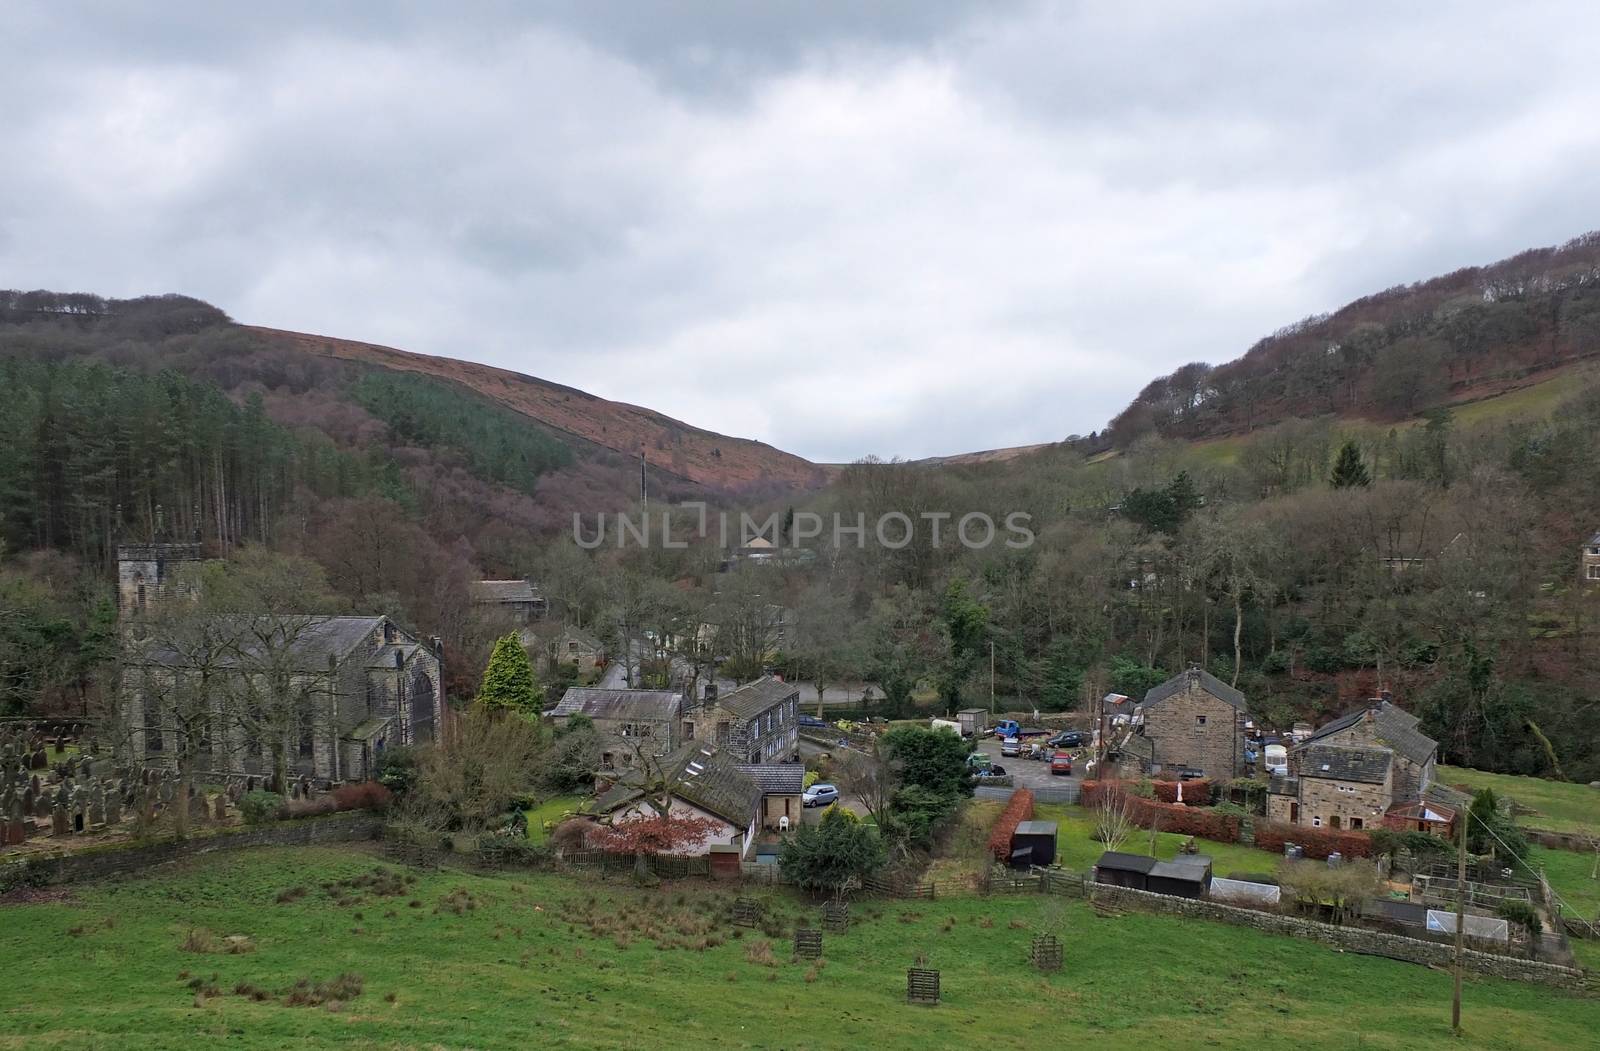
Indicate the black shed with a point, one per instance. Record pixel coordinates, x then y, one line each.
1124 870
1185 876
1033 843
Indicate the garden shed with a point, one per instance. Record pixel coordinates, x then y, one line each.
1033 843
1185 876
1123 870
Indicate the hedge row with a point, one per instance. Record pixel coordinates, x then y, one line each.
1316 842
1171 817
1018 810
1195 793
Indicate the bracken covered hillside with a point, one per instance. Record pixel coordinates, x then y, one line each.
1475 332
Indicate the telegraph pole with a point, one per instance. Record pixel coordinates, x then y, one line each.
1461 926
991 676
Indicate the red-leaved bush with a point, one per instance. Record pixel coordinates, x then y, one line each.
1317 842
1018 810
1195 793
653 835
1178 818
367 795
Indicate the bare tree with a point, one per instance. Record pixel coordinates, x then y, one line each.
1113 818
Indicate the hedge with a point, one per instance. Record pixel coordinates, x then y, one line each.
1178 818
1316 842
1018 810
1195 793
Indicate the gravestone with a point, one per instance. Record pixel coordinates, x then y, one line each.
40 761
42 803
221 812
97 806
15 831
113 809
60 822
197 805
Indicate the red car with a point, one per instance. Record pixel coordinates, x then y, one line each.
1061 763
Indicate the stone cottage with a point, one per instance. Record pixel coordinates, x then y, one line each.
629 721
758 722
1370 767
706 783
519 601
782 786
1192 724
1589 561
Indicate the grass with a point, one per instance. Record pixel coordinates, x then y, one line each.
546 961
550 810
1568 873
1559 806
1077 850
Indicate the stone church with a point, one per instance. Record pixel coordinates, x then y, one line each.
359 684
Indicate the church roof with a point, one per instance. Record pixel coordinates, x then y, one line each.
306 642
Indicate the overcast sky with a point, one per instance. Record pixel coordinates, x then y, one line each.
842 228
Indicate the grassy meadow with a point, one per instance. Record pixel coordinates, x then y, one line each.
453 960
1559 806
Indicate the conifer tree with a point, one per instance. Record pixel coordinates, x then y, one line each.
1350 470
508 681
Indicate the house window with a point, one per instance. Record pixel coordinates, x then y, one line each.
1355 822
1199 720
1294 813
1594 572
1347 789
1316 822
152 723
606 762
572 647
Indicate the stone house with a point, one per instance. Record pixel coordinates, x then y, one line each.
706 783
1192 723
758 722
782 785
628 721
1369 767
1589 561
577 647
360 685
1338 787
518 600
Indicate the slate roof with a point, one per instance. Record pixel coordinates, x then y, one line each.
583 638
777 779
625 705
1119 862
754 698
1394 726
710 780
309 640
1208 682
1340 762
506 591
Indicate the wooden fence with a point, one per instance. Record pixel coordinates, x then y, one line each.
667 866
898 888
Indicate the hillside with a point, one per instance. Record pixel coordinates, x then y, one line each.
703 457
1462 337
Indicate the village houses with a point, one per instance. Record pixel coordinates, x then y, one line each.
758 722
1192 725
629 721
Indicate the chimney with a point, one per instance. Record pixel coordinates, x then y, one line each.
1385 696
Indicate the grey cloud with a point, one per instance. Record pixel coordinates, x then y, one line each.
841 228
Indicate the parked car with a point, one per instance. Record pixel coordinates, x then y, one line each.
1010 747
1069 739
995 770
812 720
819 794
1061 763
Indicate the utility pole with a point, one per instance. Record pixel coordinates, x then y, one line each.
644 492
1461 924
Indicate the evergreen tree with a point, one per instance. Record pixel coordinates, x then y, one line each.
508 681
1350 471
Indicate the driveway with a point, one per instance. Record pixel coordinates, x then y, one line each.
1028 773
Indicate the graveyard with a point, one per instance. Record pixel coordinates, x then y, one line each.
268 947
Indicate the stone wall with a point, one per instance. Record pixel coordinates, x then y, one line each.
117 860
1348 939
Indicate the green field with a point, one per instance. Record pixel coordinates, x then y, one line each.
1559 806
550 810
543 961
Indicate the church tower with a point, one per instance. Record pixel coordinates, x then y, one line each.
146 570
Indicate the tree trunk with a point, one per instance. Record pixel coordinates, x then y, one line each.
180 825
1238 634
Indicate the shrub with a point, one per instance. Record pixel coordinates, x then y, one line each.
1177 818
368 795
1018 810
1195 793
256 807
397 769
1521 914
1316 842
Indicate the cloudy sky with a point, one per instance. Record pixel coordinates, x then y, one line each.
904 229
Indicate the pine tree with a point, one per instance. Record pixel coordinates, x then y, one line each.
1350 470
508 681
